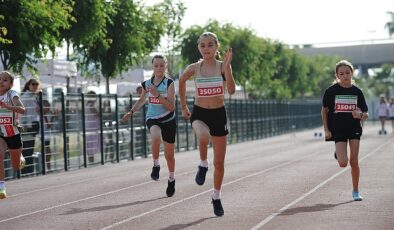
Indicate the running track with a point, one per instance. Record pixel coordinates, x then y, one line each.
286 182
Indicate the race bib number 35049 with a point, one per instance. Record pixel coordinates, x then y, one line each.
345 103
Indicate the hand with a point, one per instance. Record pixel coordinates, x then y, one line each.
327 134
127 116
186 113
357 113
3 104
228 57
153 91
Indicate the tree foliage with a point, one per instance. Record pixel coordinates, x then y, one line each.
264 68
33 28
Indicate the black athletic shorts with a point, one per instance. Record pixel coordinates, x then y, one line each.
215 119
168 128
14 142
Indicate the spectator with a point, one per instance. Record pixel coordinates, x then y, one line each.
30 121
382 113
92 125
391 113
49 118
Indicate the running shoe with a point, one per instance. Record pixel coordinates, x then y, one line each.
357 196
22 162
170 188
3 194
155 172
217 207
201 173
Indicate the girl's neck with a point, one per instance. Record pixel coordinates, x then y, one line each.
345 85
210 61
157 79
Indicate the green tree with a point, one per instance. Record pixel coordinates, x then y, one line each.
87 24
174 13
3 32
131 33
383 82
33 27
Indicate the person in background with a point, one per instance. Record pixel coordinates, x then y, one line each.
92 126
391 113
10 107
30 121
344 108
209 118
382 113
49 118
160 117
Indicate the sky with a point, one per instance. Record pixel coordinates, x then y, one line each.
296 21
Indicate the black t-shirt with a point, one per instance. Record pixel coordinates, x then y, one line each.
340 102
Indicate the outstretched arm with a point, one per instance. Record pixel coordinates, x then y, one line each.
136 106
228 72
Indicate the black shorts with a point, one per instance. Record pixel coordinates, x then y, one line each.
168 128
14 142
215 119
347 136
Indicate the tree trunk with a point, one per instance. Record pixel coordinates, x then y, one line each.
107 85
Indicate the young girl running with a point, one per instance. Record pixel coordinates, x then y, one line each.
160 117
209 119
10 104
344 108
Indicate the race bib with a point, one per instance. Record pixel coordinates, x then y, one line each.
6 117
154 100
345 103
210 86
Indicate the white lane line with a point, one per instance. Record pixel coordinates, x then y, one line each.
191 197
273 215
84 199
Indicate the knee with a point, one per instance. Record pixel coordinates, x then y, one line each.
156 137
203 138
342 164
353 163
219 166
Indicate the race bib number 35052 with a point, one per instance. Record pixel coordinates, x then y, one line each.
345 103
5 120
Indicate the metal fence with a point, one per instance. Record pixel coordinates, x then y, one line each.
81 130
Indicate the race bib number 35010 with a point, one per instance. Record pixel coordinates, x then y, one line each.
345 103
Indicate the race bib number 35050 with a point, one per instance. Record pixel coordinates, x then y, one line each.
345 103
210 86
